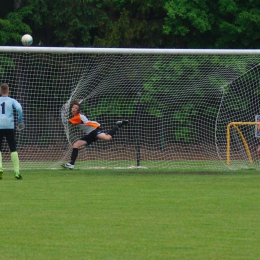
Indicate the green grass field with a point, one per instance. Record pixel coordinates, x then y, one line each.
130 214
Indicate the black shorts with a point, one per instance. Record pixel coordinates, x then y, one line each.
9 134
92 137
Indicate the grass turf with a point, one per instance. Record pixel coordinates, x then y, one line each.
130 214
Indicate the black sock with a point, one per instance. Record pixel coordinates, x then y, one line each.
113 131
74 155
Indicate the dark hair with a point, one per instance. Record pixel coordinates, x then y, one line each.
76 102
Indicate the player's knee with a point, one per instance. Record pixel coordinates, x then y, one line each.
107 138
77 145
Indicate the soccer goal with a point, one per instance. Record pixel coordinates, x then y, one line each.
179 103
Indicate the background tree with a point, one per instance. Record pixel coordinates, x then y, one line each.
211 24
12 23
17 4
135 23
65 23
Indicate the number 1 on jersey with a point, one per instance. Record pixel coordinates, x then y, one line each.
3 108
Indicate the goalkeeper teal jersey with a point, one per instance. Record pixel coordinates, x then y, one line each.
7 106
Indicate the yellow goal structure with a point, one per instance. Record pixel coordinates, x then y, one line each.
236 125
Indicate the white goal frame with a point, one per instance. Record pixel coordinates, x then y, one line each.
64 50
220 156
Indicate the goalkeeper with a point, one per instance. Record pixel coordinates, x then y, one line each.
92 130
7 105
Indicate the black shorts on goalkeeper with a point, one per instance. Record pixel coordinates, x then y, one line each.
92 137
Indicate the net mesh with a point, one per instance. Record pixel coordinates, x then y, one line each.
178 106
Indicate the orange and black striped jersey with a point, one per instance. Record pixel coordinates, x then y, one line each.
84 124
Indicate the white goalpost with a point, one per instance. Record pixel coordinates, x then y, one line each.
179 103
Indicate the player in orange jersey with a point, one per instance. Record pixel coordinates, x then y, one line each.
92 131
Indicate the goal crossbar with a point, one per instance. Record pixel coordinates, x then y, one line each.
128 50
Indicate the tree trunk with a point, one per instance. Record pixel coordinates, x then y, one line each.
17 4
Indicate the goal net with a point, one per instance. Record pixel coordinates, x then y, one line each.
178 102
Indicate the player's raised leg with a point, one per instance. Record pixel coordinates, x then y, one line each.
118 125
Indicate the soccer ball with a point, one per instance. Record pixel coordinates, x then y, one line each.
27 40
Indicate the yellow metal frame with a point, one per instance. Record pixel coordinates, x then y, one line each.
235 125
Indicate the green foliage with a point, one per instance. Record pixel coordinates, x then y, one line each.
185 113
211 111
238 24
187 19
65 23
120 34
116 107
184 134
185 131
13 27
209 24
135 23
6 63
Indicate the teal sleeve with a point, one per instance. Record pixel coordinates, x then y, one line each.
19 110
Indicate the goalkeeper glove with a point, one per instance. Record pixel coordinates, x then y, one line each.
20 126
